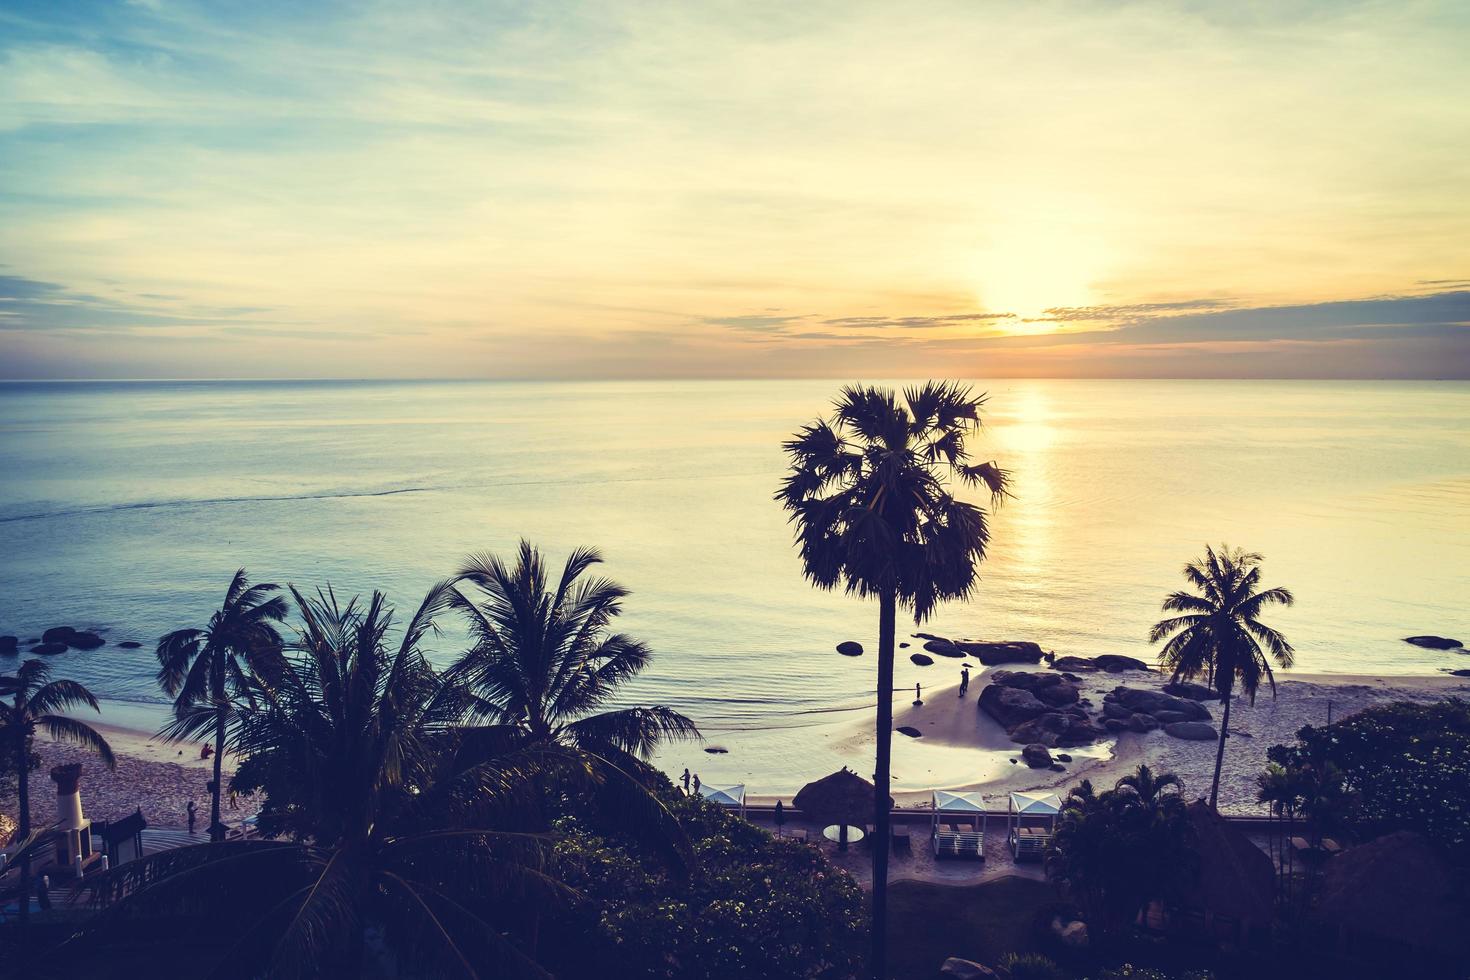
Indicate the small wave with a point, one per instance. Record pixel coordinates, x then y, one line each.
155 504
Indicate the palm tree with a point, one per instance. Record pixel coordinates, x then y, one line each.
35 703
1219 633
870 494
544 662
204 670
390 831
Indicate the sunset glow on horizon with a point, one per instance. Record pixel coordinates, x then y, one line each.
191 189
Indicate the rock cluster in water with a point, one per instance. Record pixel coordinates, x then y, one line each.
1111 663
1432 642
991 654
58 639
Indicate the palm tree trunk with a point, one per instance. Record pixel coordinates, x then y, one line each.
23 794
216 829
887 627
1220 752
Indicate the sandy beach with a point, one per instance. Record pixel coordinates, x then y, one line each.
950 724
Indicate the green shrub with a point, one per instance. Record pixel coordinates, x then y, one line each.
1031 966
1406 765
754 906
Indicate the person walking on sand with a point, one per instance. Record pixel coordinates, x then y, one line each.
964 680
685 780
191 811
918 694
696 784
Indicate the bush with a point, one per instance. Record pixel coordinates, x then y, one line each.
1406 765
755 905
1031 966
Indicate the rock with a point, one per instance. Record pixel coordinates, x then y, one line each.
910 731
1142 723
1433 642
1192 691
850 648
1010 706
993 654
130 644
1058 695
1152 702
1073 663
1057 767
57 634
955 968
716 750
1115 724
1063 757
1194 731
942 647
1453 673
1112 709
921 659
1114 663
1170 717
1036 755
49 649
1055 728
903 646
85 641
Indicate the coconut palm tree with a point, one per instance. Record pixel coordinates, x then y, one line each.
205 670
1218 632
545 662
36 702
389 832
870 492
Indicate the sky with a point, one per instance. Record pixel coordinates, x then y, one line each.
734 189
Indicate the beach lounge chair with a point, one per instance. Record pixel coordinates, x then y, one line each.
1029 843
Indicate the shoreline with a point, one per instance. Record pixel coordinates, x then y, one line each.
160 777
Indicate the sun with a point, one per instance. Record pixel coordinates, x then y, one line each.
1034 271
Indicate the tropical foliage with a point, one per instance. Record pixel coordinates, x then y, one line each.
1218 633
209 670
1401 766
1116 851
38 703
754 906
870 492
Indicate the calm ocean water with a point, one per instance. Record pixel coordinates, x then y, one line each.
125 507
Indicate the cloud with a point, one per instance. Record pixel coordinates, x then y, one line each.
32 304
1129 312
917 322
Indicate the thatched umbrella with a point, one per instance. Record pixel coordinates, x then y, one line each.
1236 877
1396 887
841 798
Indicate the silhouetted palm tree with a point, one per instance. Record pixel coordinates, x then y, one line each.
545 667
392 832
1220 634
36 702
204 670
870 494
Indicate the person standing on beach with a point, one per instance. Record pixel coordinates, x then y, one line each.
191 810
918 694
696 784
964 680
685 780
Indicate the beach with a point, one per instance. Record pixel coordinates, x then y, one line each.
161 778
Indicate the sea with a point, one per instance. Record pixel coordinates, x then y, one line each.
125 507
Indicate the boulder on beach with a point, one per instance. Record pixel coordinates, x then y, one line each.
716 749
921 659
910 731
1453 673
1036 755
57 634
1433 642
1152 702
1194 731
1114 663
1073 663
49 649
1141 723
84 641
1010 706
1058 728
130 644
1063 757
850 648
994 654
1192 691
1053 689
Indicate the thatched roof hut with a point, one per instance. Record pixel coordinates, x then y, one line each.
843 797
1236 878
1396 887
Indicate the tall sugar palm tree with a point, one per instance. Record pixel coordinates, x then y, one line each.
871 494
204 670
36 702
1218 633
387 831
